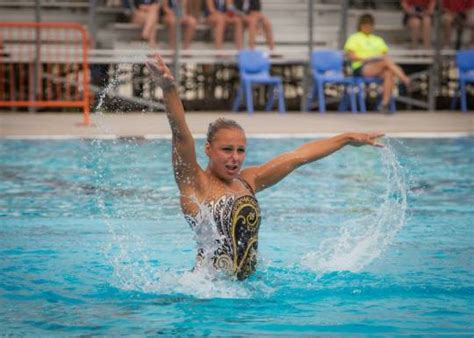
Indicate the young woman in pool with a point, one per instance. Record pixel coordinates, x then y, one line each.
225 187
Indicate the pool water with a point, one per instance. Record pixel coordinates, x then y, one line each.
372 241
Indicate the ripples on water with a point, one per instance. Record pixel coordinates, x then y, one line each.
375 241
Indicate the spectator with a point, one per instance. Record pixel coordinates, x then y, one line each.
418 17
457 13
195 8
367 53
254 19
362 4
146 14
221 13
188 21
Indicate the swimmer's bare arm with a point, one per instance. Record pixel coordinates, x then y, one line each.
188 173
270 173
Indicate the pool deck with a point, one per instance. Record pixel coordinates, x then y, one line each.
261 124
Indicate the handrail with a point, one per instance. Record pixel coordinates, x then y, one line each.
62 50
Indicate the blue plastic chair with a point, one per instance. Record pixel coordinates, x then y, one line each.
327 66
465 64
361 83
254 69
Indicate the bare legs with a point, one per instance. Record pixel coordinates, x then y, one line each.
189 23
387 70
147 16
420 26
252 21
219 21
448 22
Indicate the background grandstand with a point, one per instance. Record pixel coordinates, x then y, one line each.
209 78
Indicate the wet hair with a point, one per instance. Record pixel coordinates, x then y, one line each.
221 123
365 19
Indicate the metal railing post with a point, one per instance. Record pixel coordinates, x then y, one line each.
343 24
92 25
177 47
307 71
32 91
434 80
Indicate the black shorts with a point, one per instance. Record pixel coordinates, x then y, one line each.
418 14
357 71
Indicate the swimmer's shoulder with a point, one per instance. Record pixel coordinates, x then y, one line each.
249 176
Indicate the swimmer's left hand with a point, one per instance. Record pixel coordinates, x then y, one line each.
361 139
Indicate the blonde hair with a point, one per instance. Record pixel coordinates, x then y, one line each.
221 123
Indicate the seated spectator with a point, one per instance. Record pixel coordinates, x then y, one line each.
221 13
367 53
362 4
146 14
195 8
418 17
254 19
457 13
188 21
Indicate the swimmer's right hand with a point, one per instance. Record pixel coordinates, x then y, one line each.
160 73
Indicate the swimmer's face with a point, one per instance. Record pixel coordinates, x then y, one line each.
367 28
226 153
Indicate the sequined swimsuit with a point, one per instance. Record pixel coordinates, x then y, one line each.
236 220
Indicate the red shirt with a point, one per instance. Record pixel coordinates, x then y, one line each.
418 3
458 5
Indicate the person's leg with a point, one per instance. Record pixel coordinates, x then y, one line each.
217 22
139 18
170 22
251 21
238 30
387 87
426 22
190 24
470 25
447 20
414 24
267 28
397 70
150 23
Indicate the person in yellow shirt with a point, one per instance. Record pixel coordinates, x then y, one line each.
368 55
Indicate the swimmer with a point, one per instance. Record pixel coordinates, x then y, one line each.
224 186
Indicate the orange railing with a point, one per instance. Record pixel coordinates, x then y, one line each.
44 65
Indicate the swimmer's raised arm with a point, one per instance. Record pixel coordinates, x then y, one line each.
270 173
186 169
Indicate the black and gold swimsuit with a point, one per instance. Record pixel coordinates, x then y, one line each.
236 221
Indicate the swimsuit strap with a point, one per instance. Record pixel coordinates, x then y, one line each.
247 185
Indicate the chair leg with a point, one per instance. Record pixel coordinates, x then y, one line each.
454 101
248 97
281 98
363 108
352 99
322 102
462 86
344 102
309 99
271 97
238 99
391 104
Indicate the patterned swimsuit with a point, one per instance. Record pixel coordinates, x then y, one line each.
236 221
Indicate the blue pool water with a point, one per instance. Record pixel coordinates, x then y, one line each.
92 241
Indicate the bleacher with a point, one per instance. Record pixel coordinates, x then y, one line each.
117 41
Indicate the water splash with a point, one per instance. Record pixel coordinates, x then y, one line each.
362 240
112 85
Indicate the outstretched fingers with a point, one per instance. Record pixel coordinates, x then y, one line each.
160 72
373 139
